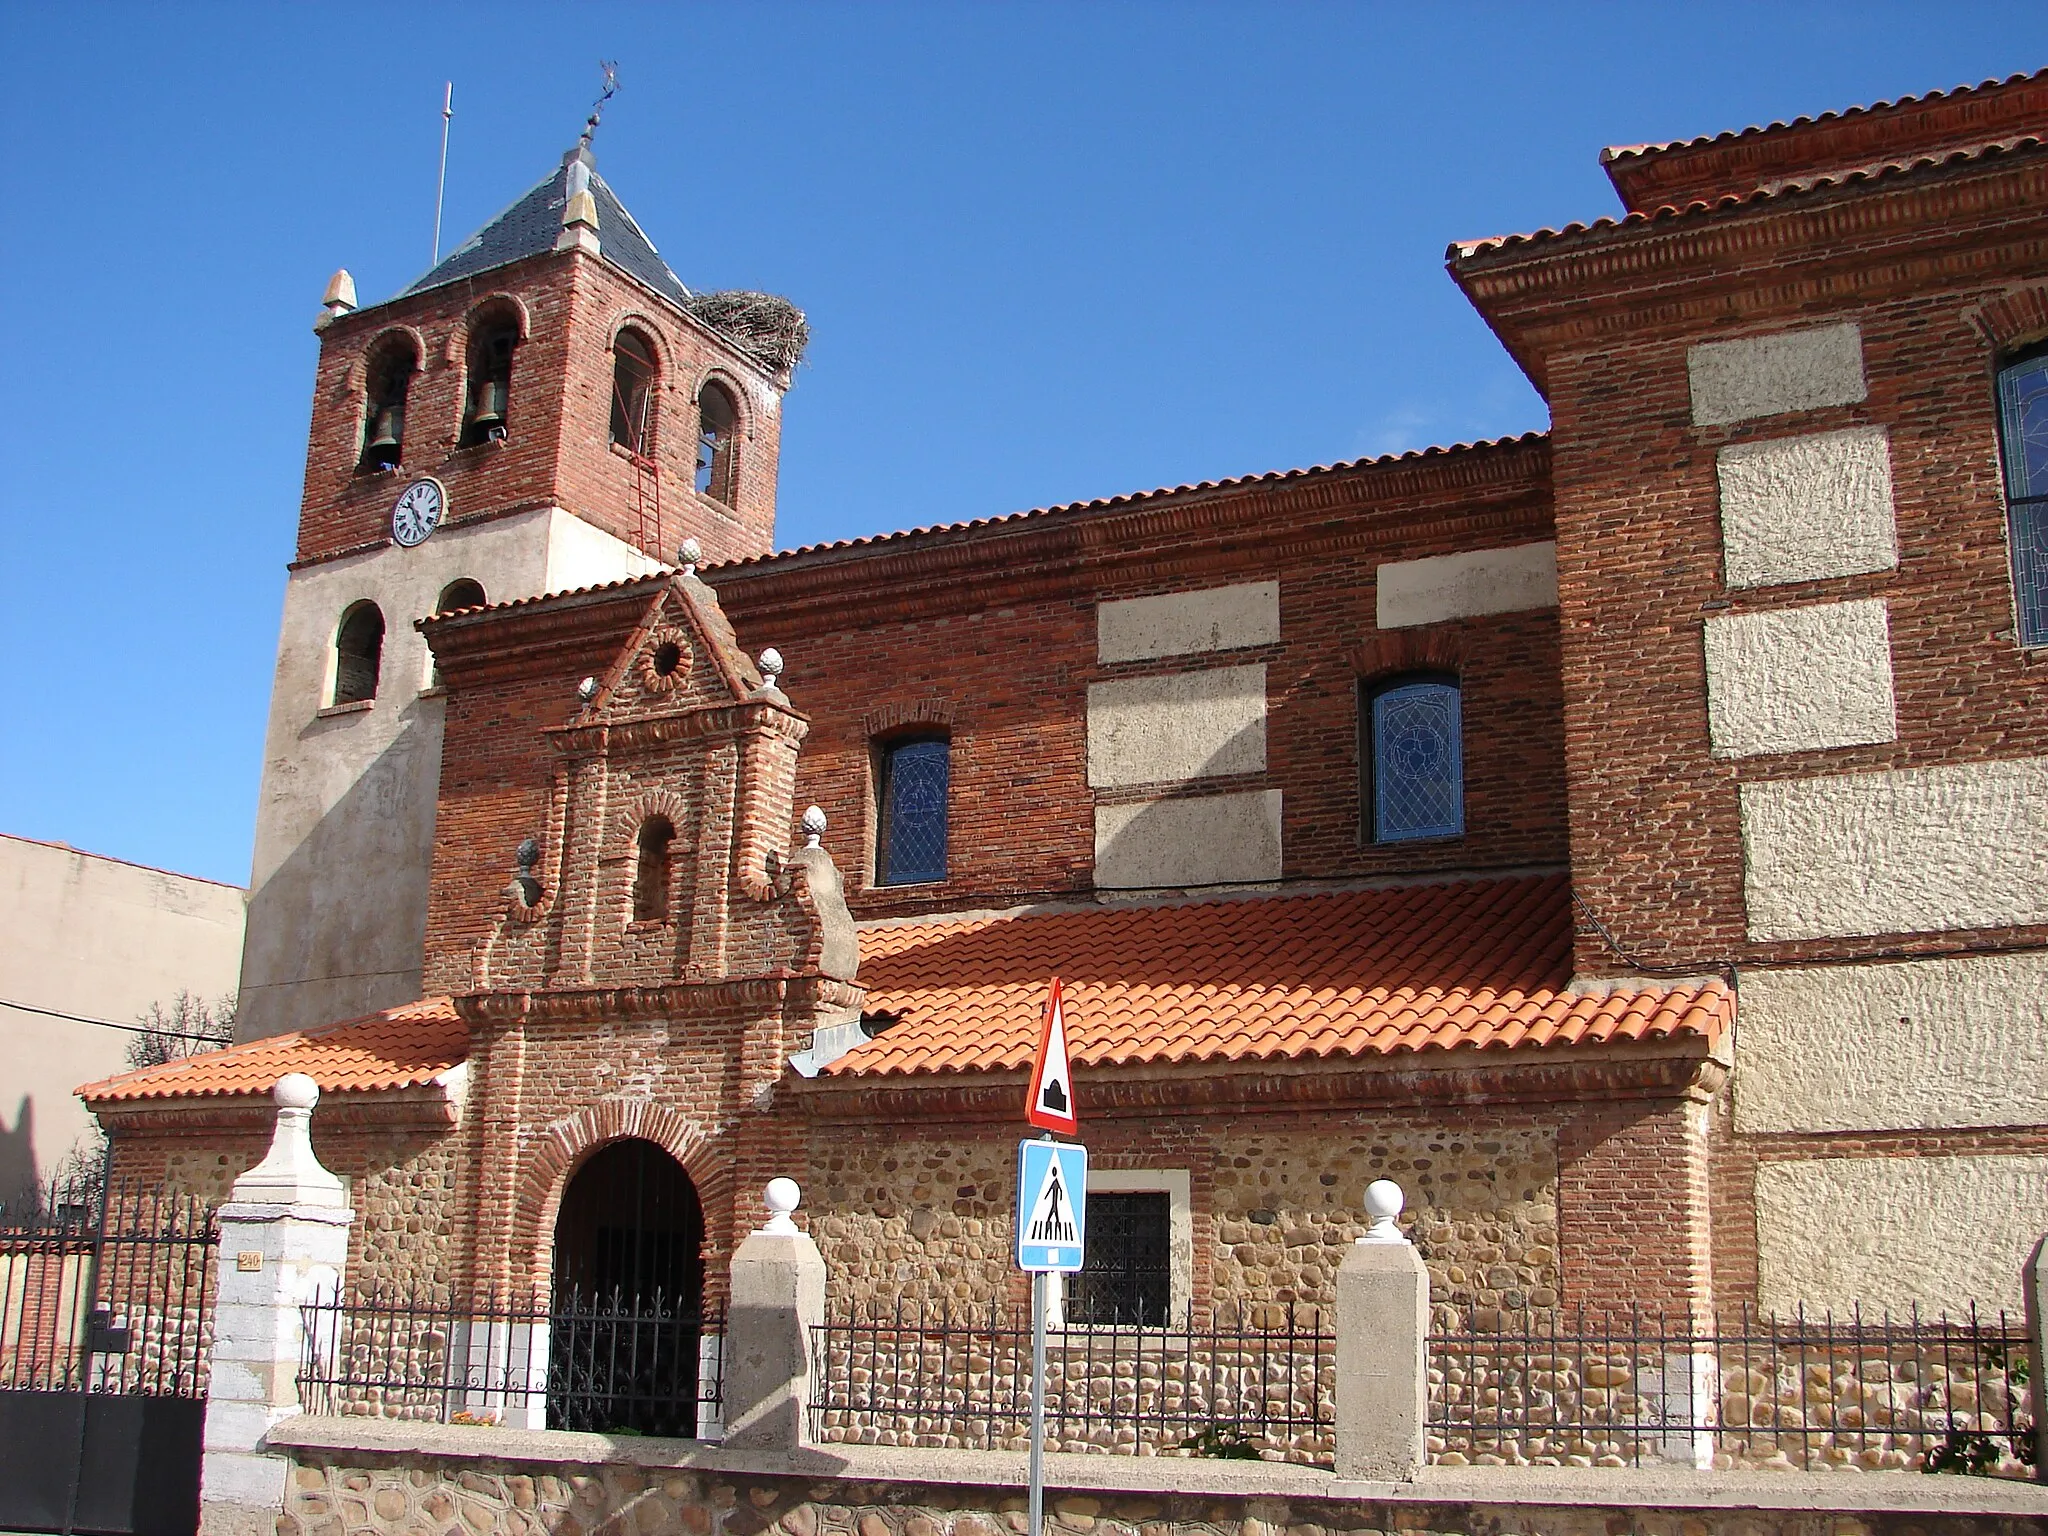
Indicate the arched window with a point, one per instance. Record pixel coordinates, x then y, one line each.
910 835
456 596
718 421
1416 759
634 371
650 870
2023 437
460 594
486 409
358 653
388 378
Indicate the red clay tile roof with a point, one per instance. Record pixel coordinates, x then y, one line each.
398 1048
1480 964
1860 177
1872 109
755 563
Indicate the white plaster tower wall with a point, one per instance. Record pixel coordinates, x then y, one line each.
345 818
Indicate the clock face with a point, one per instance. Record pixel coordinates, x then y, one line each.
418 511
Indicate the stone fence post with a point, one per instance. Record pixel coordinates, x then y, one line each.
283 1240
1382 1355
778 1298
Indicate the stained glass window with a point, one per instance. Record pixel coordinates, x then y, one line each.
2023 431
1418 762
912 844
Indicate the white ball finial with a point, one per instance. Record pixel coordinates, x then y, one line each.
782 1197
1383 1202
814 826
587 689
295 1090
771 665
690 556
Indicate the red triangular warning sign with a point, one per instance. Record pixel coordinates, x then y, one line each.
1050 1104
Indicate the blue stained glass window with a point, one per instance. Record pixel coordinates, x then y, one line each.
1418 762
2023 433
912 844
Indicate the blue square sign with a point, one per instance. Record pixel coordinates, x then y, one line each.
1052 1206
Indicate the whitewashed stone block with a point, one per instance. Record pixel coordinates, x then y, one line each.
1807 508
1769 375
1162 730
1794 679
1462 586
1169 844
1942 1232
1187 623
1950 1042
1911 850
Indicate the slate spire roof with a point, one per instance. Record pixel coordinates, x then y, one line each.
529 228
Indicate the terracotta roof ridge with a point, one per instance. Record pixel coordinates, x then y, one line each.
1732 203
433 1008
1138 498
620 586
1617 152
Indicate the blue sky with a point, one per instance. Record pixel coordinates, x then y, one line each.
1049 252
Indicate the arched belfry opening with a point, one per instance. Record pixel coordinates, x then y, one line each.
628 1295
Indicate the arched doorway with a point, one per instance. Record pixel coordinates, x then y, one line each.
629 1291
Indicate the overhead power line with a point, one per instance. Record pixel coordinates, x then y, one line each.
132 1029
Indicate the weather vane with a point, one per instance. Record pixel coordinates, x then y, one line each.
611 89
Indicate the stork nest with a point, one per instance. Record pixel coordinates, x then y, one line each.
765 326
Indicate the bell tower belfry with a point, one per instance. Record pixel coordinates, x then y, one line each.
548 408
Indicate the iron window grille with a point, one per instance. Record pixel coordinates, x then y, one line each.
911 841
1128 1274
2023 435
1417 754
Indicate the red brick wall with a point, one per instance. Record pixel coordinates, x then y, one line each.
1655 829
999 647
557 449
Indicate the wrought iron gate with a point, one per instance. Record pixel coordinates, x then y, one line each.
106 1320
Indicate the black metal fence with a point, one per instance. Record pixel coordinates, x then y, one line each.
642 1365
1256 1381
1582 1388
108 1294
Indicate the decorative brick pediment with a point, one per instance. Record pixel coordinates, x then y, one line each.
683 656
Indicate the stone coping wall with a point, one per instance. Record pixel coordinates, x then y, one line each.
352 1479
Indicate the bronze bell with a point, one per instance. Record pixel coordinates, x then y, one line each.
490 405
385 434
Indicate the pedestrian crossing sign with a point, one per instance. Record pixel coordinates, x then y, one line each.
1052 1206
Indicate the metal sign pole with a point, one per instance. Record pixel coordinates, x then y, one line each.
1036 1527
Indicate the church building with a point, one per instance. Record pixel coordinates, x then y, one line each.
1631 838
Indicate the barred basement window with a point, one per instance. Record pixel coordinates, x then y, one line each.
650 870
717 426
1416 757
910 840
1128 1272
2023 436
358 653
634 371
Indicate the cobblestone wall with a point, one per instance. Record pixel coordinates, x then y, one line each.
362 1494
928 1220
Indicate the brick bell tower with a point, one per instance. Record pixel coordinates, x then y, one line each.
548 408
